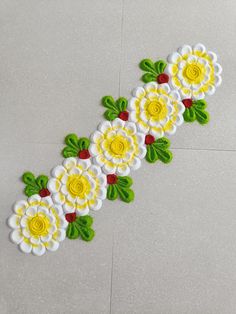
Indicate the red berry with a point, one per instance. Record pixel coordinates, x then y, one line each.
112 179
163 78
70 217
84 154
187 102
44 192
124 115
149 139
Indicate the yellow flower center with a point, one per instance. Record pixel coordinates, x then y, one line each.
78 185
119 145
38 225
154 108
192 71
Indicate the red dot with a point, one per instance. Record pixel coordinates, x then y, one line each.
187 102
149 139
124 115
70 217
112 179
44 192
84 154
163 78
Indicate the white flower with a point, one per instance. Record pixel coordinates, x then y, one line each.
194 71
156 109
78 186
38 225
117 147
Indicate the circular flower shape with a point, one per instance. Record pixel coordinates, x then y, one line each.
78 185
156 109
38 225
117 147
194 71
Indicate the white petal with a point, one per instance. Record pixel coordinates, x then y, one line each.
82 212
26 233
34 240
98 160
218 68
199 48
76 170
58 171
165 86
46 238
69 163
123 170
14 221
118 124
64 190
104 126
84 163
102 193
218 80
140 138
96 136
102 180
132 103
43 210
63 223
131 127
59 199
175 95
157 132
34 199
96 171
60 235
109 168
57 210
20 207
93 149
135 163
138 92
48 201
169 69
174 57
39 250
143 128
31 211
142 152
172 130
16 236
52 245
149 87
212 55
185 50
96 205
25 247
24 221
211 90
68 208
179 119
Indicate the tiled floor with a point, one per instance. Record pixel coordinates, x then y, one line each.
173 250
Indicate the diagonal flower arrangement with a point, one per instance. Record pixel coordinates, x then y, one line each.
98 167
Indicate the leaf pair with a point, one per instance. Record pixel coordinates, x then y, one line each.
74 145
34 185
152 69
114 108
81 228
122 189
159 150
197 112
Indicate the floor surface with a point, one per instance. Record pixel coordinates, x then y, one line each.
171 251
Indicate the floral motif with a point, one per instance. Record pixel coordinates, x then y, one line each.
78 185
38 225
117 147
194 71
156 109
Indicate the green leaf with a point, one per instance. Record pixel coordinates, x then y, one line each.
112 192
162 143
148 66
200 104
31 190
126 194
202 116
109 103
121 104
72 231
83 143
29 179
87 234
164 155
72 141
148 77
189 114
42 181
69 152
84 221
124 182
160 66
110 115
151 155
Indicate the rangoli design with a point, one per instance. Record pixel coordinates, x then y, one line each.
98 167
